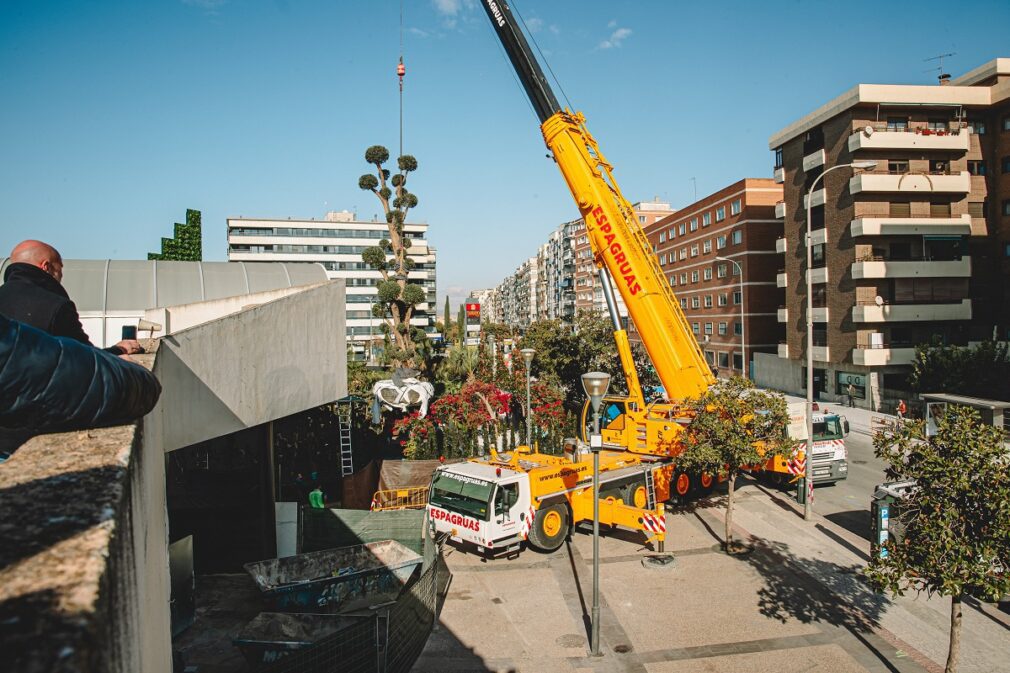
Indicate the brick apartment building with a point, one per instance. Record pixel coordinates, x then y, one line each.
911 251
699 248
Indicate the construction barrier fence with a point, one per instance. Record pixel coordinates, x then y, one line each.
400 498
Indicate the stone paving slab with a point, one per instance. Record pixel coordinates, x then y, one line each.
817 658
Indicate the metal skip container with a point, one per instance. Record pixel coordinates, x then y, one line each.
336 580
274 635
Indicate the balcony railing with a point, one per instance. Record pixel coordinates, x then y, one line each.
944 181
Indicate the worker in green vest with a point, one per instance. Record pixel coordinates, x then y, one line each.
316 498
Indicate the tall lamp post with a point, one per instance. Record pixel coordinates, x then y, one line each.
806 485
528 354
743 333
595 384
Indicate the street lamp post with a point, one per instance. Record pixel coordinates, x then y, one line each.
743 332
806 485
595 384
528 354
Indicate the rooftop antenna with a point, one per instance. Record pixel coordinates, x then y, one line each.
943 77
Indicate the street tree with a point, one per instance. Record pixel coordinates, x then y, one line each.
982 370
734 426
956 518
397 298
446 316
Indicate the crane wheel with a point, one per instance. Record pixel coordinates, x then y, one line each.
680 488
706 483
550 528
636 496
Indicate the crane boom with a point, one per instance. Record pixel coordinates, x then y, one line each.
619 245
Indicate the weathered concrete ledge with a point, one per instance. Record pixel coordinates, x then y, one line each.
68 584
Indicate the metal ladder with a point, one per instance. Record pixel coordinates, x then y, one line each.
346 456
650 490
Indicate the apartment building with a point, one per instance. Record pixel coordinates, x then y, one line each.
337 242
718 254
910 251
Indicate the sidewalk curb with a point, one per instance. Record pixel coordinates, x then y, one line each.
890 637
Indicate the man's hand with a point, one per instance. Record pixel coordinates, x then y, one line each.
130 346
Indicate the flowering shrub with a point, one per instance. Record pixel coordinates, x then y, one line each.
417 436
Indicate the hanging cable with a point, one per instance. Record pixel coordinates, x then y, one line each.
543 59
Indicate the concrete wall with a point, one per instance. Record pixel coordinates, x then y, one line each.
771 371
255 366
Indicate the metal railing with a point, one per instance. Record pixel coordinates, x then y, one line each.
400 498
910 302
870 257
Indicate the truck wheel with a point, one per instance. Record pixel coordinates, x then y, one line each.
680 488
550 528
636 496
706 483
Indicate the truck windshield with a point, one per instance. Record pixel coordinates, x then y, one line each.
829 428
462 494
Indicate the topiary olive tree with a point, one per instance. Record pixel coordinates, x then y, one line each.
398 298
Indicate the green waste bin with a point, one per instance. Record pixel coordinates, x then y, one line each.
885 524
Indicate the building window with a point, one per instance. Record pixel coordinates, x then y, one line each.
738 361
897 167
735 207
694 250
706 219
683 253
1006 123
778 157
720 213
738 237
707 273
1005 164
695 303
736 269
976 167
662 260
897 123
696 327
737 327
1006 206
683 279
694 224
680 230
708 328
737 297
708 301
673 281
935 124
723 300
683 303
694 276
707 246
720 243
672 232
662 237
641 219
724 359
721 271
977 126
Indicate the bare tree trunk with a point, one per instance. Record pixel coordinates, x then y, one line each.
955 635
729 512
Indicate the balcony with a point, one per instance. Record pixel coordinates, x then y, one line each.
912 312
932 183
780 175
881 138
783 314
783 350
901 226
813 160
819 314
816 199
818 275
780 245
883 354
822 354
780 279
881 267
819 236
780 210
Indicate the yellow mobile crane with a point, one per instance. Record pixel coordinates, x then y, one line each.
498 502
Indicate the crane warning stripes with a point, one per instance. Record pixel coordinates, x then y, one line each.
654 523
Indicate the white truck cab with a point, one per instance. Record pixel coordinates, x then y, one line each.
481 505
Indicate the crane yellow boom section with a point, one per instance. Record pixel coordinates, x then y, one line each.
620 245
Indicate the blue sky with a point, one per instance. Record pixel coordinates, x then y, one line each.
116 116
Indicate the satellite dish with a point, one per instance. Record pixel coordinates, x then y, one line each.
878 300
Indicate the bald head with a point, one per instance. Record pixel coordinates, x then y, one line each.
39 254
